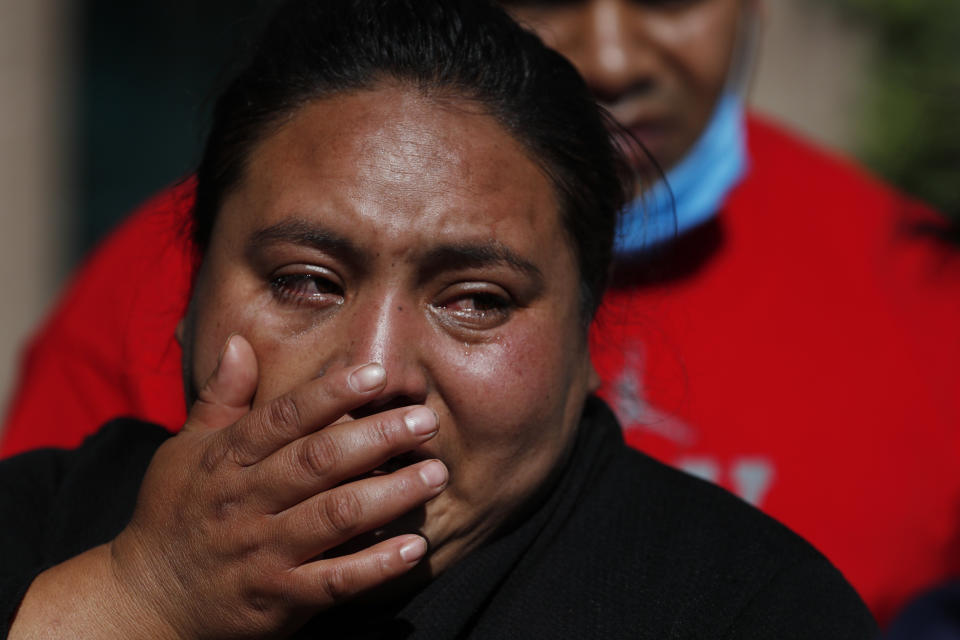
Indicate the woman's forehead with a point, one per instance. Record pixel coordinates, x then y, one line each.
392 159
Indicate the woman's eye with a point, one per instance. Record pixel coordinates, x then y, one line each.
305 288
478 309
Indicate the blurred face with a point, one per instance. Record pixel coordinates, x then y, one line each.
385 227
658 65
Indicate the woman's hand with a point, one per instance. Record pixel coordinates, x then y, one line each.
235 512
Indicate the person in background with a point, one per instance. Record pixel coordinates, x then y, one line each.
792 335
781 323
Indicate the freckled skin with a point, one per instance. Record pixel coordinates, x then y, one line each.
658 66
397 174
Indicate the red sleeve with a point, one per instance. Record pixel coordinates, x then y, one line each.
108 347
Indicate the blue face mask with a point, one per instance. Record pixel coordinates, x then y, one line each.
698 185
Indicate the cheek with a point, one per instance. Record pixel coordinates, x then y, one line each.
287 358
513 408
703 44
508 403
277 340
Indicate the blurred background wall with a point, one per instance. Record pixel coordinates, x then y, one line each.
103 102
34 148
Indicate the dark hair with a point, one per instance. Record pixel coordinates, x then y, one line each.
315 49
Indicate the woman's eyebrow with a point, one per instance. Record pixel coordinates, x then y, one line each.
310 234
474 255
444 257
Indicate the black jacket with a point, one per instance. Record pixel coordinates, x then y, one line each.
621 547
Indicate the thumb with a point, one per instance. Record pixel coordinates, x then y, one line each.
228 392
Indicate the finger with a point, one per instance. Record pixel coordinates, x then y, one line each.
325 583
329 519
305 409
326 458
228 392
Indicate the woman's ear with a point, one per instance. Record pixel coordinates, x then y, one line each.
593 378
184 331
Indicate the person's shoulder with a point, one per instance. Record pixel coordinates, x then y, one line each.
791 167
767 579
701 517
135 437
56 503
797 186
665 501
719 566
773 145
122 445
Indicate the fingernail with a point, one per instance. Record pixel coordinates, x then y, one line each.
413 550
434 474
367 378
421 421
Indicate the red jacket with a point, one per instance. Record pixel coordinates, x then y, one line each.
802 350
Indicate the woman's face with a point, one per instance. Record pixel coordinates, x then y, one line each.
382 226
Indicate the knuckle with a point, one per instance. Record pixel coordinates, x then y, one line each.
408 483
342 512
249 550
383 432
226 507
212 457
385 565
260 600
295 589
284 413
238 448
262 610
286 590
320 454
335 583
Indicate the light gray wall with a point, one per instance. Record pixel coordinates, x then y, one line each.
811 71
32 50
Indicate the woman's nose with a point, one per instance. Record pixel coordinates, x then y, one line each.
391 333
615 55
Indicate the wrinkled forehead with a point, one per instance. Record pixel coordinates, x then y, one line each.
392 160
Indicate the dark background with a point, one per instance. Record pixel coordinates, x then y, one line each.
148 73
